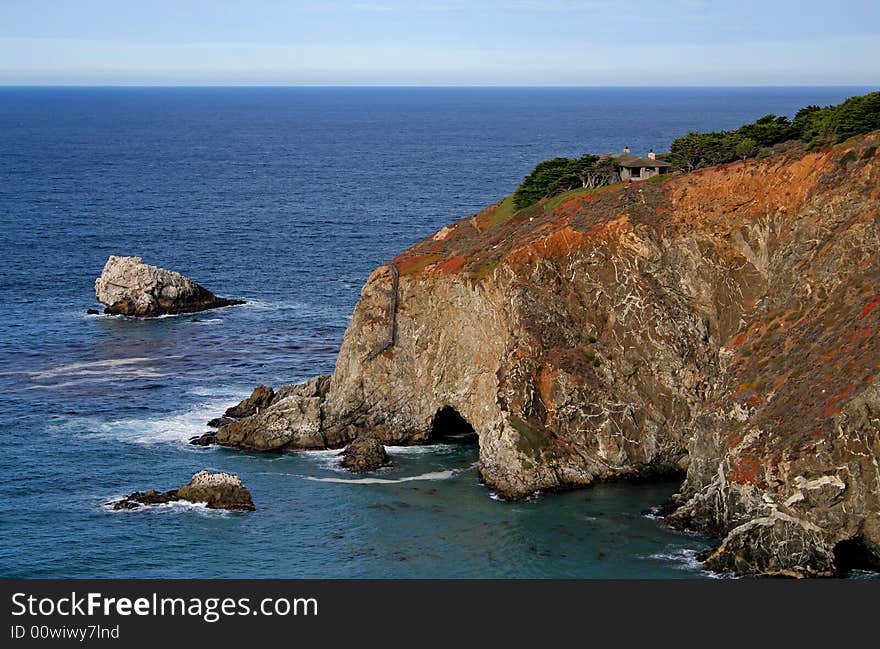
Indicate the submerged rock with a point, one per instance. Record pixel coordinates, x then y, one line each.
216 490
127 286
205 439
364 454
139 498
260 398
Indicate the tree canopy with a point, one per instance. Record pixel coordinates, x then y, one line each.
562 174
814 125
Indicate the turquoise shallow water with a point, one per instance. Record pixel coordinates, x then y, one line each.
287 198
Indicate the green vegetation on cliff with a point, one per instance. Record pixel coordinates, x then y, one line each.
561 175
813 125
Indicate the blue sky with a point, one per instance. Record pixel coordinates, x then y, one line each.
432 42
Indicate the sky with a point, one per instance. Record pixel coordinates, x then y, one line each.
434 42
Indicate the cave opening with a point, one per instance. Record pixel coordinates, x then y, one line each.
450 427
853 554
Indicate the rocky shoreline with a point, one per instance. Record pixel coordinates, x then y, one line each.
722 322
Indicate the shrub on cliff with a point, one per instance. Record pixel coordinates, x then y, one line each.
814 125
854 116
562 174
545 180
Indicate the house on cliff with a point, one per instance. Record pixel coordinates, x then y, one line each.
630 167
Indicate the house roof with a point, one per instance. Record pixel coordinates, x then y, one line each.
634 162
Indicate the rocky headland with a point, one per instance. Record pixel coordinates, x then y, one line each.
720 324
215 490
128 286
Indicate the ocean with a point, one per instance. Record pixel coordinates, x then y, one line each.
288 198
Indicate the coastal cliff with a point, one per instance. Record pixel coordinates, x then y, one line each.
721 323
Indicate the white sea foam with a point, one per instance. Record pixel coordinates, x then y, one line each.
686 559
175 427
431 476
274 305
92 368
176 507
326 459
420 450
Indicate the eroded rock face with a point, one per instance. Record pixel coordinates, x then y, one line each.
364 454
130 287
216 490
723 322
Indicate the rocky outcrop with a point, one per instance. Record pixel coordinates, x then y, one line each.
722 322
127 286
293 419
364 454
215 490
260 398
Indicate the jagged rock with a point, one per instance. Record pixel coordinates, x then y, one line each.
216 490
220 422
205 439
292 420
364 454
130 287
92 312
776 545
140 498
260 398
723 320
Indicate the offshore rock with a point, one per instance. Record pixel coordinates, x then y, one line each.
724 322
216 490
127 286
364 454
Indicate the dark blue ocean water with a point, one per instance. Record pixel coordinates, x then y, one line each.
287 198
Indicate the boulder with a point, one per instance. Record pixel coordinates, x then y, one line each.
128 286
216 490
260 399
364 454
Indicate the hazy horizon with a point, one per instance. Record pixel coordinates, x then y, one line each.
519 43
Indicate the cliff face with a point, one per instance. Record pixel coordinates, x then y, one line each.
722 321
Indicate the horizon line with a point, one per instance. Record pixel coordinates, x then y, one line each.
421 85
